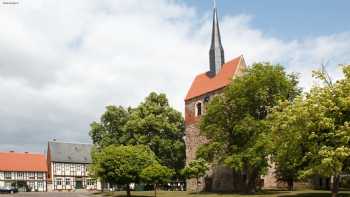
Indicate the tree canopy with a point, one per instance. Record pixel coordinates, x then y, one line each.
111 128
319 123
235 122
156 124
122 164
153 123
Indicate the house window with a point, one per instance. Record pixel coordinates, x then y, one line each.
20 175
67 181
57 169
199 109
90 182
31 175
8 175
40 184
40 175
58 181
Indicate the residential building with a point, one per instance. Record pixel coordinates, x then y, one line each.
23 169
68 165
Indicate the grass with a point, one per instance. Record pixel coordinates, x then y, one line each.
268 193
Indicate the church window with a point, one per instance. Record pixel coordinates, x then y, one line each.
199 109
206 99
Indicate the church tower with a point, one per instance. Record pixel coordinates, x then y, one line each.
203 88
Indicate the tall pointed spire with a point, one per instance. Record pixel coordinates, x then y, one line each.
216 52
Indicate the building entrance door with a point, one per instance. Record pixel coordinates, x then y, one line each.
78 184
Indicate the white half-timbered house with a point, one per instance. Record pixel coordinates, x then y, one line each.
23 169
68 165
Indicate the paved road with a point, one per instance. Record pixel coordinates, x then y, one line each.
51 194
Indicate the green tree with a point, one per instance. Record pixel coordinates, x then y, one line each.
328 129
156 124
156 174
153 123
320 124
195 169
122 164
111 128
287 124
235 122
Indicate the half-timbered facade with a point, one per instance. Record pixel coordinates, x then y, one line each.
23 169
68 166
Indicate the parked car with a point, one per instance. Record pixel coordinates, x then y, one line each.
8 189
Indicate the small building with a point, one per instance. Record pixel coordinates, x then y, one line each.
24 170
68 165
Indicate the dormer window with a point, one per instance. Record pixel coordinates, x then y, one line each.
199 109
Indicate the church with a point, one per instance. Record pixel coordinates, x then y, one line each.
204 87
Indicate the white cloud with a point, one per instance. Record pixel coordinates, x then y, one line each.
61 63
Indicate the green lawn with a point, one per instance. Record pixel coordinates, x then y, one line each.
307 193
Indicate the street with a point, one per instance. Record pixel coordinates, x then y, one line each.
51 194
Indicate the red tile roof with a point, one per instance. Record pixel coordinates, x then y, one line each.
22 162
203 83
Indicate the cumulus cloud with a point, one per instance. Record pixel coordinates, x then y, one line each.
61 64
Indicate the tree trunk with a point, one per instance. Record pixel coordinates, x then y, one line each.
155 189
250 180
290 185
236 180
128 193
335 186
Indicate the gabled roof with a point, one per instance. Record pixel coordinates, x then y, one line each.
70 152
22 162
204 83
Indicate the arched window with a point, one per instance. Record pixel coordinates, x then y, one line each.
199 109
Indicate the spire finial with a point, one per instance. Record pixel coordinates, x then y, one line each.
214 1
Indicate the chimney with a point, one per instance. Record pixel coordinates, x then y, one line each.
12 151
54 139
26 152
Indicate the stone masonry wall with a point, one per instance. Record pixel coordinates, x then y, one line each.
218 178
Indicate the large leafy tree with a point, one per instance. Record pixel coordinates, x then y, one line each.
320 125
153 123
156 124
122 164
235 122
287 122
328 128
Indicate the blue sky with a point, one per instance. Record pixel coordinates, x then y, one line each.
293 19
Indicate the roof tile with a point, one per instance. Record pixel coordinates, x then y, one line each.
204 83
22 162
